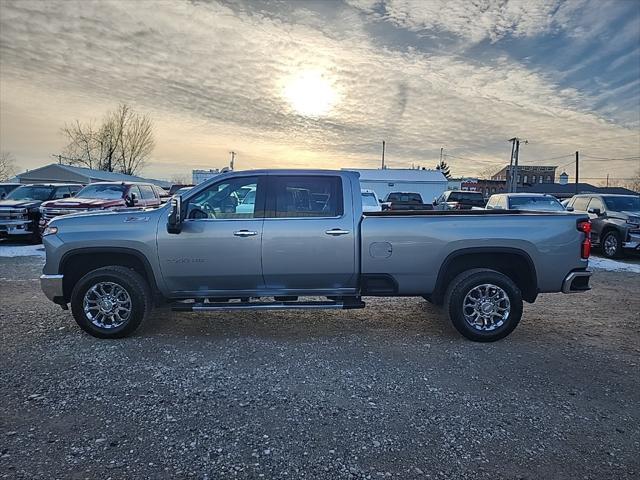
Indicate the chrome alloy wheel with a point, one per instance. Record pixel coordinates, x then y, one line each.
107 305
486 307
610 245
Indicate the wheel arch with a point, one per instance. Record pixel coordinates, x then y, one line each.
78 262
512 262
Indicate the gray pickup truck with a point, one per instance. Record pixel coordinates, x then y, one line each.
272 239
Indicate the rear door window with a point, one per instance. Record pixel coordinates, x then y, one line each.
305 196
596 203
61 192
147 192
581 203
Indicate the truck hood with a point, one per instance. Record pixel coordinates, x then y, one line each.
80 203
625 215
20 204
102 217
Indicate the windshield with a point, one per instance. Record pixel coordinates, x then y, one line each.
623 203
106 192
30 192
536 203
369 200
469 198
404 198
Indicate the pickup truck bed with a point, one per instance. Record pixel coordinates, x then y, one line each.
308 237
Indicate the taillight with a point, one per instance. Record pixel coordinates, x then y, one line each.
585 227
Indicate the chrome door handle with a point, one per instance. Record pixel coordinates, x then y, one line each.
245 233
337 231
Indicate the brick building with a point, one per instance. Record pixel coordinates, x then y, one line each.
529 174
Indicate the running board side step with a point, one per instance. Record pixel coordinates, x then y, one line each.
224 306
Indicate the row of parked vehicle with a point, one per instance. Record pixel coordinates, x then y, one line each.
25 210
615 219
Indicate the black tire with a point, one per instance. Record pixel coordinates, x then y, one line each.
131 281
614 248
464 283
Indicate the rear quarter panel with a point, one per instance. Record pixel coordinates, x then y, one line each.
420 245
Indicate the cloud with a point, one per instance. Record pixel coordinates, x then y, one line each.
217 74
472 20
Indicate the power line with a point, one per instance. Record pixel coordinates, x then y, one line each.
635 157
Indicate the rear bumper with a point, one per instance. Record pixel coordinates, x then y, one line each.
577 282
52 286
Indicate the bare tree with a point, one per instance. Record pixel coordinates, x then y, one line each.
135 140
7 165
122 142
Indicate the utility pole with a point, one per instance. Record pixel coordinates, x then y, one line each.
383 145
510 170
577 169
515 166
512 179
607 180
233 159
441 151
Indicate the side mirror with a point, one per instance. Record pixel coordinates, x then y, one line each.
569 209
489 207
594 211
174 222
435 202
66 195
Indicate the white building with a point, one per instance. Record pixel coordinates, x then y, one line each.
199 176
428 183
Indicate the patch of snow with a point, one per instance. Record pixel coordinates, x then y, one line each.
613 265
21 251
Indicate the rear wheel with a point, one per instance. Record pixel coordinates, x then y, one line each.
111 302
483 305
612 244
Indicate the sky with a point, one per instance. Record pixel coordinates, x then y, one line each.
320 84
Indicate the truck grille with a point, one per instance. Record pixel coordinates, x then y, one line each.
50 213
13 213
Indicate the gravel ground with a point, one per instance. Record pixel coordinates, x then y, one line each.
387 392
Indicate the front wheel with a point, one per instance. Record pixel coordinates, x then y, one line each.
111 302
612 244
483 305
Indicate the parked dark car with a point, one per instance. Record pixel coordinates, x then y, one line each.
459 200
406 201
20 209
102 196
615 221
6 188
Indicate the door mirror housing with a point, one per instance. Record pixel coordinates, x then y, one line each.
174 221
595 211
66 195
569 209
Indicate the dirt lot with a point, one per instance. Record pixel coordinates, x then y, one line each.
387 392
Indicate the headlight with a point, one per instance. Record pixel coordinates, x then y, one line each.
50 230
633 220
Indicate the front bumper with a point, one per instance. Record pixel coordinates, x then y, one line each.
16 227
577 282
633 241
52 287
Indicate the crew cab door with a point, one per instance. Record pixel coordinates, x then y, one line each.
309 240
217 253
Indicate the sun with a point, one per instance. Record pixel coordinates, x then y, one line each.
310 93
